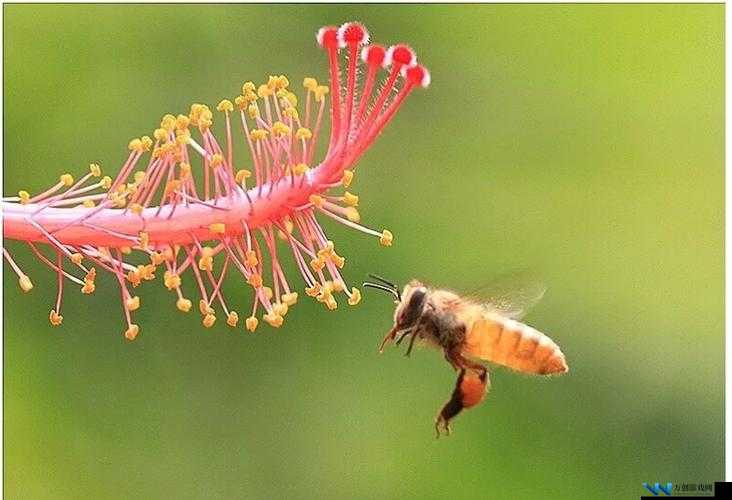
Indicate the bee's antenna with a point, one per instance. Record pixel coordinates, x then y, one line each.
379 286
382 280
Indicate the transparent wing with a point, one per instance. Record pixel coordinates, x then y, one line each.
511 296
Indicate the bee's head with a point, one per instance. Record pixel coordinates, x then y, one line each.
409 303
410 306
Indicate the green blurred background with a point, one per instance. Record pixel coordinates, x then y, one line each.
583 143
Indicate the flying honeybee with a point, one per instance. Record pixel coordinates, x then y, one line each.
470 331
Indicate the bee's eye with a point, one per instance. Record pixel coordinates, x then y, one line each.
413 309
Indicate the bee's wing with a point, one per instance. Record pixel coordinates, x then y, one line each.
510 297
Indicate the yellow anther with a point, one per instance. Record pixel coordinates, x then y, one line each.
313 291
248 87
125 250
160 134
55 318
350 199
241 101
217 228
258 134
216 160
66 179
355 297
132 332
274 320
283 82
88 204
316 200
280 129
144 240
330 303
95 169
255 279
300 169
225 105
288 97
251 323
253 111
267 292
168 122
232 318
209 320
134 278
204 307
182 122
303 133
386 238
327 251
347 178
183 138
289 298
157 258
273 82
242 174
310 84
106 182
171 280
291 113
88 287
317 264
133 303
25 283
206 118
172 187
92 273
338 286
205 263
24 197
352 214
280 308
327 289
147 271
251 258
135 145
195 113
185 170
264 91
119 201
146 143
320 92
76 258
135 208
338 260
183 305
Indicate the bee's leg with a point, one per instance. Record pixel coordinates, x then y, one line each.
411 343
470 389
389 336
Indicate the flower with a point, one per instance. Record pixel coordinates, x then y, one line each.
156 206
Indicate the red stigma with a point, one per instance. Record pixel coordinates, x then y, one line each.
418 75
327 37
401 54
373 54
353 34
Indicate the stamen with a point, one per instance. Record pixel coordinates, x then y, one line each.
156 204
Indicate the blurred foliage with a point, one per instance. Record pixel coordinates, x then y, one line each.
580 142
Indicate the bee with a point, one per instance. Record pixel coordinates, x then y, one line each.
469 332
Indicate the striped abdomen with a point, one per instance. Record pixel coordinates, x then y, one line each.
515 345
